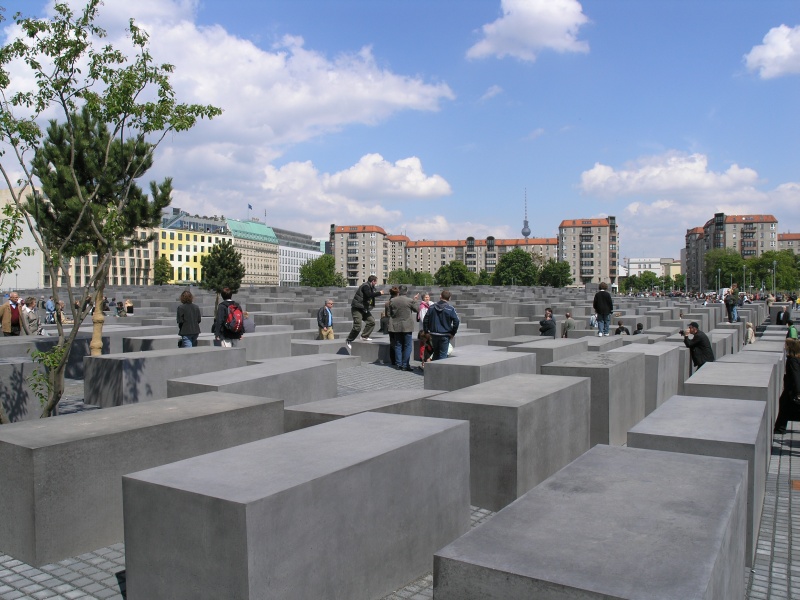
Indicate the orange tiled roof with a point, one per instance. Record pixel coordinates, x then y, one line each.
360 229
398 238
785 237
584 223
698 230
436 243
730 219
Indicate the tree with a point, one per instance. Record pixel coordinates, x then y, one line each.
69 66
556 273
454 273
423 279
516 268
484 278
321 272
401 276
105 170
722 266
680 281
222 268
162 270
647 280
10 233
787 274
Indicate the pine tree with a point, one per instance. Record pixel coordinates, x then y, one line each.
222 268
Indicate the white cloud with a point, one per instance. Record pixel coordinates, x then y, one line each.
674 172
536 133
492 92
778 55
376 178
437 227
529 26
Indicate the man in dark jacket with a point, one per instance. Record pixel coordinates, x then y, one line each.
699 346
441 321
603 306
361 307
547 326
226 339
325 320
401 324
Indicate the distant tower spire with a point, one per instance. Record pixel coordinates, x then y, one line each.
526 231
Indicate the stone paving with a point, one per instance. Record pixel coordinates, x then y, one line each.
101 574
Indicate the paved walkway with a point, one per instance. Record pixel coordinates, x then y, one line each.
101 574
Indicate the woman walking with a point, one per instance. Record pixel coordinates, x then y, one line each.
188 321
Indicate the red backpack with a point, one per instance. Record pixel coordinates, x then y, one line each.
234 320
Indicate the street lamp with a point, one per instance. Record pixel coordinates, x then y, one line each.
719 275
744 277
774 268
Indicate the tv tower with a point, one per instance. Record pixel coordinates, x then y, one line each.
526 231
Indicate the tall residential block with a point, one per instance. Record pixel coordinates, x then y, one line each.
590 247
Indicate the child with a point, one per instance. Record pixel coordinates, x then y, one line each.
425 348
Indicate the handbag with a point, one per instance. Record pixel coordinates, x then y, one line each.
593 321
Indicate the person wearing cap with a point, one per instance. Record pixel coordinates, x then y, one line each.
699 346
401 324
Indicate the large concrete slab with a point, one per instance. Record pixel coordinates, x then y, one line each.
132 377
714 427
394 401
62 493
548 350
618 523
618 390
466 369
18 398
323 512
661 373
523 428
294 380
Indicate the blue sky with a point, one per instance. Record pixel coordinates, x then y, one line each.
433 117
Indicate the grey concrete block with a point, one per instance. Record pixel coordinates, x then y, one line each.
496 327
605 343
714 427
464 369
62 492
261 345
515 340
294 380
618 390
548 350
619 523
523 428
661 372
19 400
323 512
131 377
394 401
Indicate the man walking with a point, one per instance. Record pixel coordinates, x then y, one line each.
325 320
228 331
10 315
441 322
699 346
401 324
361 307
603 306
547 326
567 325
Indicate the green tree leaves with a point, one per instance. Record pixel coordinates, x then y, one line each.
455 273
556 274
162 271
222 267
516 268
321 272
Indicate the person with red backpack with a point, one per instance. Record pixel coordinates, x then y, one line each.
229 321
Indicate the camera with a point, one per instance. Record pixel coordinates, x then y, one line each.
682 332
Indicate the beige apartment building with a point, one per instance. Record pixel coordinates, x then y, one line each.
590 247
749 235
364 250
184 248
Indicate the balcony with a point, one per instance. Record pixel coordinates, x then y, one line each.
587 272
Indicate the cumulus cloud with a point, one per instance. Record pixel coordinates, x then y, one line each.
528 26
298 193
778 55
676 191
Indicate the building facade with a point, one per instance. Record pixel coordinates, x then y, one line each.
789 241
184 248
258 246
590 247
294 250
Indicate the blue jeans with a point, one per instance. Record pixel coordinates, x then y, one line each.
402 348
603 323
734 314
440 344
188 341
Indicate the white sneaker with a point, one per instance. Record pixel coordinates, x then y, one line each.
366 339
599 334
348 344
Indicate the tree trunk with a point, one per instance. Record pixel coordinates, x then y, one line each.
96 345
56 377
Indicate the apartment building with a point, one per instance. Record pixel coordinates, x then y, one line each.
358 250
660 266
749 235
789 241
590 247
